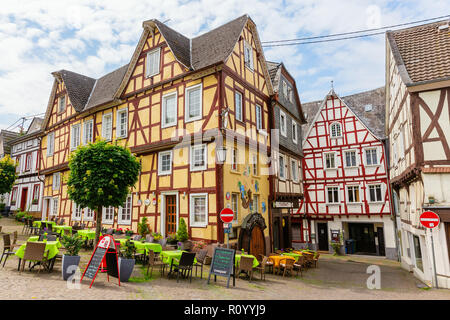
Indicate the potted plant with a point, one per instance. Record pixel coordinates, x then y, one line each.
70 258
143 227
172 239
182 236
157 237
337 245
119 231
128 232
126 263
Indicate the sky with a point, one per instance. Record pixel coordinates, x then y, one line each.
96 37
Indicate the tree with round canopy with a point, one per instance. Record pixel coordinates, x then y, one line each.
7 174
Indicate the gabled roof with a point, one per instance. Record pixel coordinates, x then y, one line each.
373 119
422 53
35 125
7 137
274 69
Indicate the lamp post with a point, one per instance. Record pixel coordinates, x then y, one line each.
221 157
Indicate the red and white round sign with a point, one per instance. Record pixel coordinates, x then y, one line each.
226 215
429 219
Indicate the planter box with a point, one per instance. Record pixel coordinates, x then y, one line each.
125 268
67 265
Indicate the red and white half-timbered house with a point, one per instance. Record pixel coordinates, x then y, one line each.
345 175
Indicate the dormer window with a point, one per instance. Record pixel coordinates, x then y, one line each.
335 130
248 55
62 103
153 62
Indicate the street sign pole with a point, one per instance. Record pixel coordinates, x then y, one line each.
434 259
431 220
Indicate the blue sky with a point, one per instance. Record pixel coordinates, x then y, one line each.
96 37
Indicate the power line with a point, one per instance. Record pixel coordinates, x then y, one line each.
271 43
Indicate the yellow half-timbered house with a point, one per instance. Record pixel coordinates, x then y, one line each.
180 105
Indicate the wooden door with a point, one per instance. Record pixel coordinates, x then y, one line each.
171 214
257 245
322 229
364 236
23 199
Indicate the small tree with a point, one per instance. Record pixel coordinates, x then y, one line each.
7 174
143 227
101 175
182 234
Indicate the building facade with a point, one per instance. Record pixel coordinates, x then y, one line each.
347 194
5 148
176 103
418 127
26 194
287 176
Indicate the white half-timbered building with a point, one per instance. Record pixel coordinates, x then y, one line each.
345 174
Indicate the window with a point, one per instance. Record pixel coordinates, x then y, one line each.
122 123
285 89
62 103
395 153
18 164
88 214
75 137
353 194
330 162
283 123
153 62
55 206
255 203
193 103
169 110
28 162
335 130
235 206
108 215
107 126
234 159
290 95
56 181
371 157
13 196
50 144
88 131
258 117
294 170
332 194
199 210
165 162
76 212
248 55
238 105
282 168
294 131
35 194
255 165
350 158
198 157
124 216
375 193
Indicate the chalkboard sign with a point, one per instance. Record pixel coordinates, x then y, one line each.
111 263
222 264
95 262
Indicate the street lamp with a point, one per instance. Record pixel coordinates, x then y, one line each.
221 154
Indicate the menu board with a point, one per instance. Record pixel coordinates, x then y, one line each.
222 264
95 262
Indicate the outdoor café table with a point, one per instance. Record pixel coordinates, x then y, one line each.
277 259
169 255
60 229
87 234
237 259
38 223
51 246
156 247
292 254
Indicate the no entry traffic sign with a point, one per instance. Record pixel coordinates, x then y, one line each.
226 215
429 219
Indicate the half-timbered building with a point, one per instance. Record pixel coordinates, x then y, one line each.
173 105
418 127
287 176
26 194
347 195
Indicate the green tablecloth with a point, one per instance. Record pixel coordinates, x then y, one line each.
291 254
51 246
237 259
60 229
87 234
38 223
167 256
141 246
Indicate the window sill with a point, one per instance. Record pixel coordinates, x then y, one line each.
164 173
165 126
333 204
330 169
192 119
354 203
198 226
256 176
148 76
373 165
351 167
338 137
375 202
234 172
197 169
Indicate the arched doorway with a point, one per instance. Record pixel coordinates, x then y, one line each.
251 237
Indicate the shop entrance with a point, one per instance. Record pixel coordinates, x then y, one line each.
364 236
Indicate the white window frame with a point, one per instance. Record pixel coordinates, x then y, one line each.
76 212
88 131
376 153
55 209
235 208
119 215
345 158
56 181
147 63
50 137
75 140
104 217
338 200
255 163
294 131
248 53
205 154
340 130
294 172
160 155
347 196
241 106
88 214
381 192
107 132
255 199
284 176
188 118
192 223
325 160
283 124
118 124
258 117
164 124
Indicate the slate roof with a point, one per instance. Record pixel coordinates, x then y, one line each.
7 137
274 73
78 87
424 51
373 119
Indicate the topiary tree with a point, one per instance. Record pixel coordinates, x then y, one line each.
7 174
101 175
182 234
143 227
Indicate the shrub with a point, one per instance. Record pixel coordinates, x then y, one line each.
182 233
143 227
7 174
72 244
129 250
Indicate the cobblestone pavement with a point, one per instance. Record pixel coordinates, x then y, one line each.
335 278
